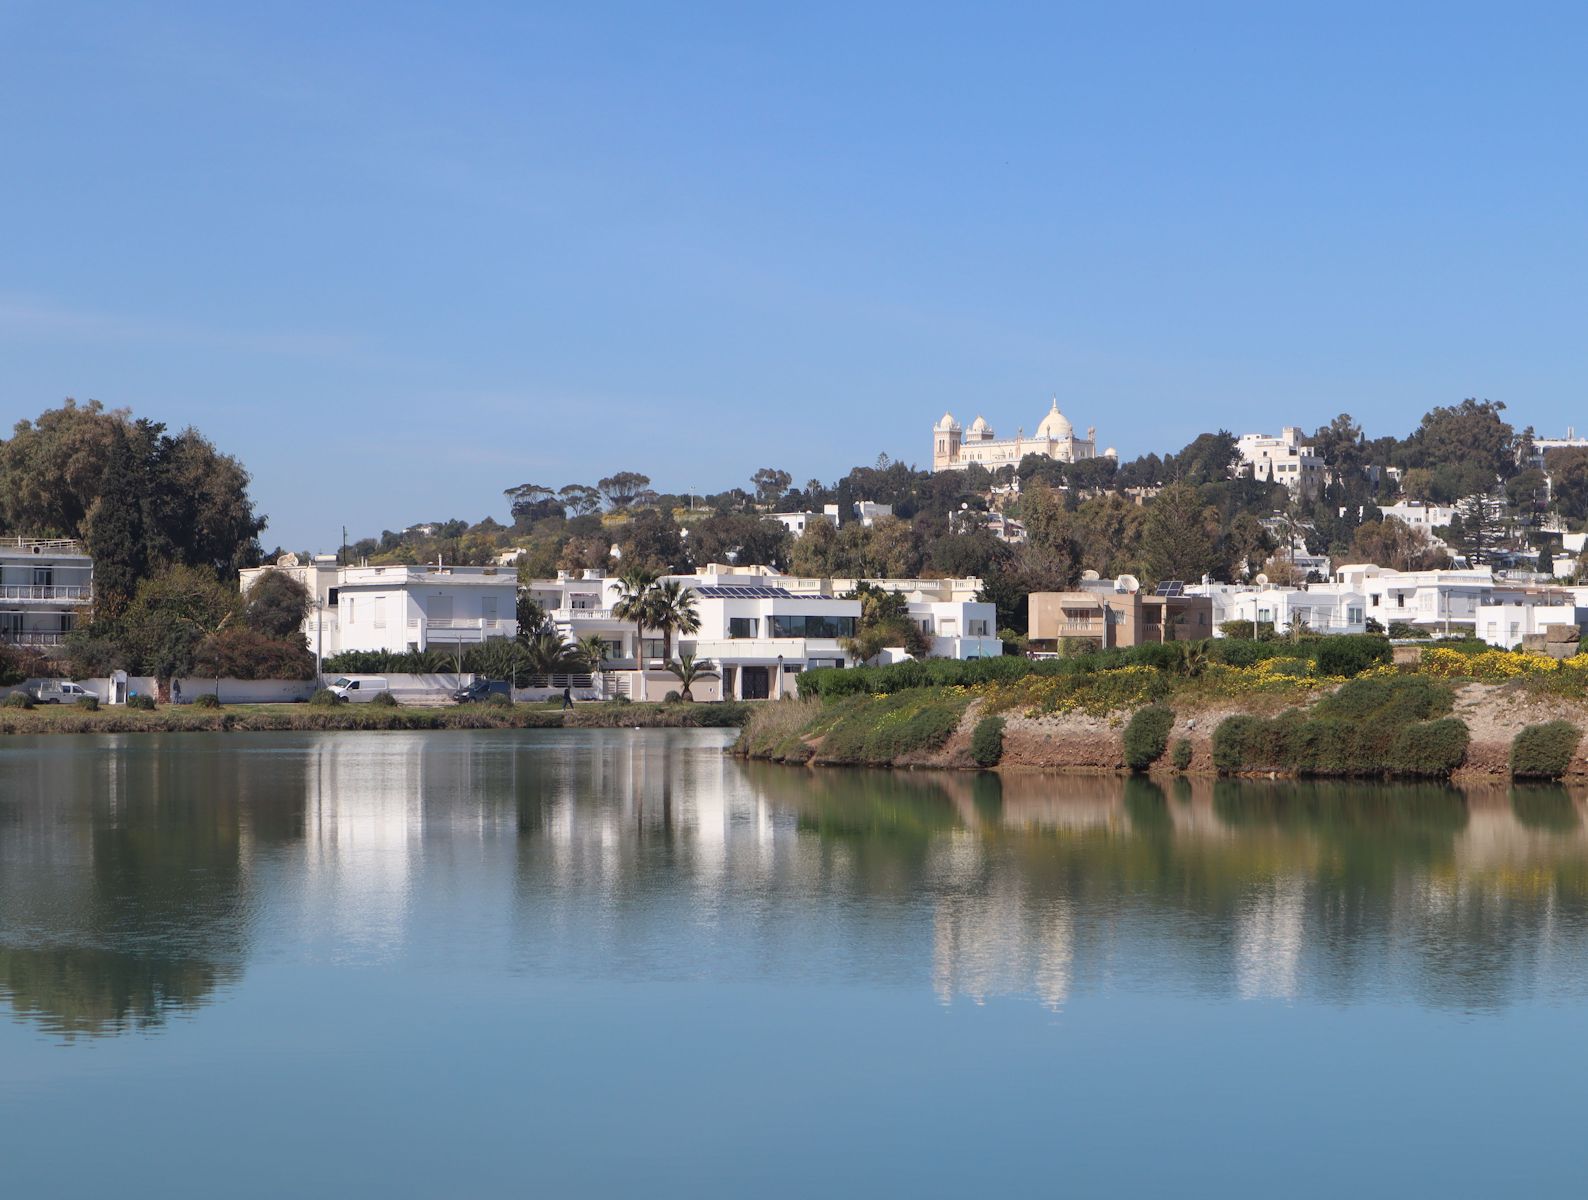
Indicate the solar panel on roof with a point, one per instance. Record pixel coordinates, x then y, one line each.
739 592
1170 587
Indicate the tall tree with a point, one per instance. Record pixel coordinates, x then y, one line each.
622 489
1176 540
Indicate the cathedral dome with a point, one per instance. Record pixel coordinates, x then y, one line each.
1055 426
979 424
947 422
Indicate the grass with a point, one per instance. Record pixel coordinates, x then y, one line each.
285 717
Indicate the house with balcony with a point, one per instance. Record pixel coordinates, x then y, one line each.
759 627
402 607
46 588
1115 612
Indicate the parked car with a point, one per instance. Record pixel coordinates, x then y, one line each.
482 689
360 689
60 691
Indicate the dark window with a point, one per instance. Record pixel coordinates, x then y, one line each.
741 627
812 626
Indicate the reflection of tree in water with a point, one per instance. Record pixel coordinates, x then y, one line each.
125 869
1546 808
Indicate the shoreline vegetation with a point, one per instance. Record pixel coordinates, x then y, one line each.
1322 708
276 718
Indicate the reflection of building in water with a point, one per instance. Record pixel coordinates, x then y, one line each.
1270 931
1001 941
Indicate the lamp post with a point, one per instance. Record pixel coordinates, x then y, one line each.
780 677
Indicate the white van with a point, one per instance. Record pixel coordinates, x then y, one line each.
360 689
60 691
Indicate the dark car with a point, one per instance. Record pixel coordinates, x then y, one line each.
482 689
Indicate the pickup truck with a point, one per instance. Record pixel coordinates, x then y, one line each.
59 691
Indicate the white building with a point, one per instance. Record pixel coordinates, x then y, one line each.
399 608
954 448
1415 513
798 522
1506 624
1443 601
1320 608
46 585
1281 459
759 627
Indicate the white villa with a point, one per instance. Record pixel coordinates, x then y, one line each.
45 584
760 628
954 448
399 608
1281 459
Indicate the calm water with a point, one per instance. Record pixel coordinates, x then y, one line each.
616 963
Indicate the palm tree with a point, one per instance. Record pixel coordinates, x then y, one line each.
690 672
594 650
547 654
635 604
675 611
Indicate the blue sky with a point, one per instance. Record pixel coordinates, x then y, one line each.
399 257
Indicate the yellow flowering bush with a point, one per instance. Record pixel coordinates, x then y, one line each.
1488 666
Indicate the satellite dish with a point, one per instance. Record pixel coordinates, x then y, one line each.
1128 583
1090 575
1261 580
287 560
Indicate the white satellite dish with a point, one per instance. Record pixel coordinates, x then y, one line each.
1090 575
1261 580
287 560
1128 584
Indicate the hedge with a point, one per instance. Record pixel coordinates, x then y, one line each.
1147 736
987 742
1351 731
1544 751
1348 655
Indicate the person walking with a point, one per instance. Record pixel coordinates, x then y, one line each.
567 698
176 691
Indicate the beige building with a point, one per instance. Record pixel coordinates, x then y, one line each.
1110 613
954 449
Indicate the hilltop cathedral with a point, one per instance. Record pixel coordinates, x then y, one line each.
954 449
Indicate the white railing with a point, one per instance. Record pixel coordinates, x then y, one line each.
32 637
46 591
42 545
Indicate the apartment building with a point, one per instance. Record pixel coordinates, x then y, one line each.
46 587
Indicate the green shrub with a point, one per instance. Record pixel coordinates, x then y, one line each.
144 703
879 730
88 703
497 700
1147 736
1182 755
987 741
1351 654
1404 629
206 700
672 697
1432 748
19 700
326 698
383 700
1390 700
1544 751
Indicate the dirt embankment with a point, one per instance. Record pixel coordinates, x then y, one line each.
1079 742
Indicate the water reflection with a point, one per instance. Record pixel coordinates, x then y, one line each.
140 877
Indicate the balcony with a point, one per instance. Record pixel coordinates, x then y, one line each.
46 593
36 638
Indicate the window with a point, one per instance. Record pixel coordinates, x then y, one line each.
742 627
977 629
654 647
488 608
811 626
1354 615
350 610
379 619
926 625
43 576
440 610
